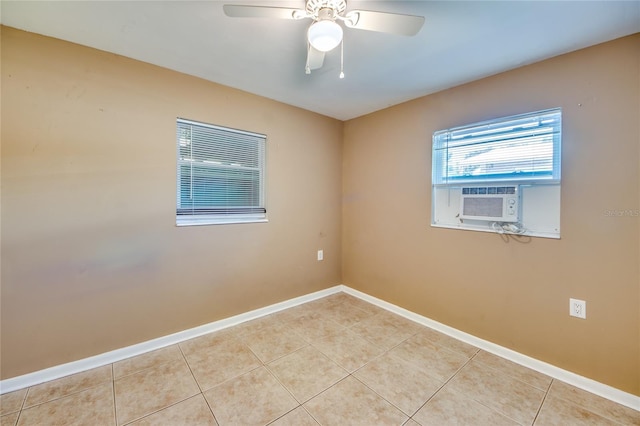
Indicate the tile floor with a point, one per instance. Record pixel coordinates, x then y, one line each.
333 361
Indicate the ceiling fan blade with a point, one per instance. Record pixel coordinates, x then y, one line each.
241 11
392 23
315 58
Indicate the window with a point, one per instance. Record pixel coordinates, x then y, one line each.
518 148
220 175
499 176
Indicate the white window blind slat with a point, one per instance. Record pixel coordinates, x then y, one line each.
519 148
220 173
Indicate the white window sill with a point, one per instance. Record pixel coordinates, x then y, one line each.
208 220
487 228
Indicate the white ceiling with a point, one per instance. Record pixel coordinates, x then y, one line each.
461 41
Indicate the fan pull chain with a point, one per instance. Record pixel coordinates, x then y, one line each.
307 70
342 59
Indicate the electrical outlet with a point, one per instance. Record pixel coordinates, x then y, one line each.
320 255
578 308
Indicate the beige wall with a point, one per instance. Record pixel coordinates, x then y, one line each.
92 260
91 257
514 294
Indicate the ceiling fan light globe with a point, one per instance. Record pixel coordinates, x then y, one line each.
324 35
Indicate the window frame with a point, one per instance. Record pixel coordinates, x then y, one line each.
442 139
228 214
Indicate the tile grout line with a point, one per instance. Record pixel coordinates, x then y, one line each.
24 399
113 391
18 418
279 417
313 396
387 351
66 395
546 394
475 358
170 405
206 401
158 410
385 399
175 403
184 357
320 393
499 371
584 407
445 383
311 415
266 367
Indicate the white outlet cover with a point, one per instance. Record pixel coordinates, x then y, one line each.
578 308
320 255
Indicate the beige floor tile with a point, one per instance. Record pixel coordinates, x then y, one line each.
147 360
11 402
273 342
293 313
314 326
68 385
339 297
361 304
595 404
192 412
399 382
352 403
345 314
524 374
297 417
406 325
435 360
309 351
556 411
383 330
348 350
306 372
207 342
255 398
9 419
255 326
449 342
215 359
328 301
510 397
153 389
93 406
451 408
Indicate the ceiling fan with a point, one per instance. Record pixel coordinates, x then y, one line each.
325 33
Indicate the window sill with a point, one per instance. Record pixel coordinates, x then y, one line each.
487 228
207 220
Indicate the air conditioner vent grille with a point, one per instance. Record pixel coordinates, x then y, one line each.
481 190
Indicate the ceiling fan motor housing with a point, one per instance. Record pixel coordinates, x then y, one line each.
325 9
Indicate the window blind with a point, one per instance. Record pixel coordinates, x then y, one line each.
518 148
220 172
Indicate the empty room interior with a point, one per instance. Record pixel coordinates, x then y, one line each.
353 269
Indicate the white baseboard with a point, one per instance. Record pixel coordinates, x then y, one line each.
589 385
58 371
584 383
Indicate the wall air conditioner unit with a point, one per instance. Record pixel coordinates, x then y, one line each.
490 203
